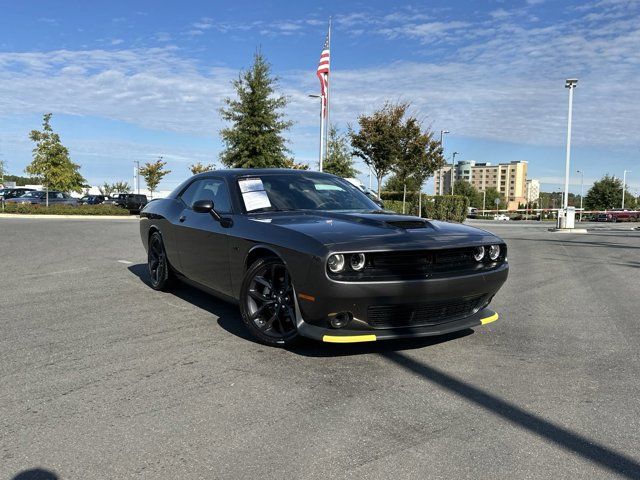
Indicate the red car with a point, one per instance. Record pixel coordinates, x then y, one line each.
618 215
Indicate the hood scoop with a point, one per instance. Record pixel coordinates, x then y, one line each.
408 224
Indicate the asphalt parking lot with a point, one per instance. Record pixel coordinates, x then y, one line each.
102 377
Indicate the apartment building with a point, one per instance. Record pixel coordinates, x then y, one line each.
510 179
532 191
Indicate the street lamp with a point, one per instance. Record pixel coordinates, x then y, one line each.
453 162
136 178
581 190
571 84
442 134
624 184
321 97
484 200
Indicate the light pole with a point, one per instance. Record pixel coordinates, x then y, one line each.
571 84
484 200
453 162
321 97
581 190
624 184
137 177
442 134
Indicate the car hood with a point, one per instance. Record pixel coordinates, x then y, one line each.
371 231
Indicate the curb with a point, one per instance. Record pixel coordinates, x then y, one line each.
70 217
568 230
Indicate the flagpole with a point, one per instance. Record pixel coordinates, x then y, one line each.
326 130
321 131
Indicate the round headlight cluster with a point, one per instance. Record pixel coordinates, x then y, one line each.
478 253
357 261
337 262
481 253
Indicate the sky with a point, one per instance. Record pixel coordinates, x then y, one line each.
129 80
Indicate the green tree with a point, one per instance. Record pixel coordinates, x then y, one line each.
464 188
197 168
396 184
22 181
51 160
606 194
121 187
153 173
254 139
377 141
338 161
296 166
421 154
491 194
106 189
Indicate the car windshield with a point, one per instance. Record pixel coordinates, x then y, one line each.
33 195
301 191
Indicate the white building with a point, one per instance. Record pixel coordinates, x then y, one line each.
532 193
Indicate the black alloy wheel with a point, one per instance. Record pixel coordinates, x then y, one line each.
157 263
267 302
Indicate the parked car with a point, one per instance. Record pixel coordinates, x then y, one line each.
93 199
13 192
38 197
308 254
367 191
618 215
131 201
501 217
472 212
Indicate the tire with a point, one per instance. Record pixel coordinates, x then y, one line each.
160 274
267 303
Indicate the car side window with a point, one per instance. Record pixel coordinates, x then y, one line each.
214 189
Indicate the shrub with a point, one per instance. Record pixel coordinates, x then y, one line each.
24 208
451 208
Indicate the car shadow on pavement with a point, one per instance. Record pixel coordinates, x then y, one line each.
227 313
229 319
35 474
586 448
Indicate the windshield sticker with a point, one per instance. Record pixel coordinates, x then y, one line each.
256 200
250 185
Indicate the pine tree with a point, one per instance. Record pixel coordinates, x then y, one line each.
339 161
51 160
254 138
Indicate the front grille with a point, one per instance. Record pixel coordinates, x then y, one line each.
418 265
422 314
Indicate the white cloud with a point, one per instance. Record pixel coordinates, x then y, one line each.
505 84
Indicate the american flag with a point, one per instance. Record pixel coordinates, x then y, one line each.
323 75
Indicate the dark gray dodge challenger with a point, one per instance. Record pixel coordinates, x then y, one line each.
308 254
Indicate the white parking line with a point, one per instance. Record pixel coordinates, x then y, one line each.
126 262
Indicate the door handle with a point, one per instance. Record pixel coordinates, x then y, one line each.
182 218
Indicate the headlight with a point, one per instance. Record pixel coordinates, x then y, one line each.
357 261
478 253
494 252
336 262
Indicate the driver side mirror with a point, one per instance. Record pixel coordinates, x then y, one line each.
206 206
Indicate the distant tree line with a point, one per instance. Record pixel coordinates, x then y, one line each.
392 141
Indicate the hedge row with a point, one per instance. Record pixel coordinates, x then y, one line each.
451 208
25 208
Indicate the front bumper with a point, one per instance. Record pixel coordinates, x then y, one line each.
356 336
321 299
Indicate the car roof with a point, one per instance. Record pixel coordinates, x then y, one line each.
240 172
